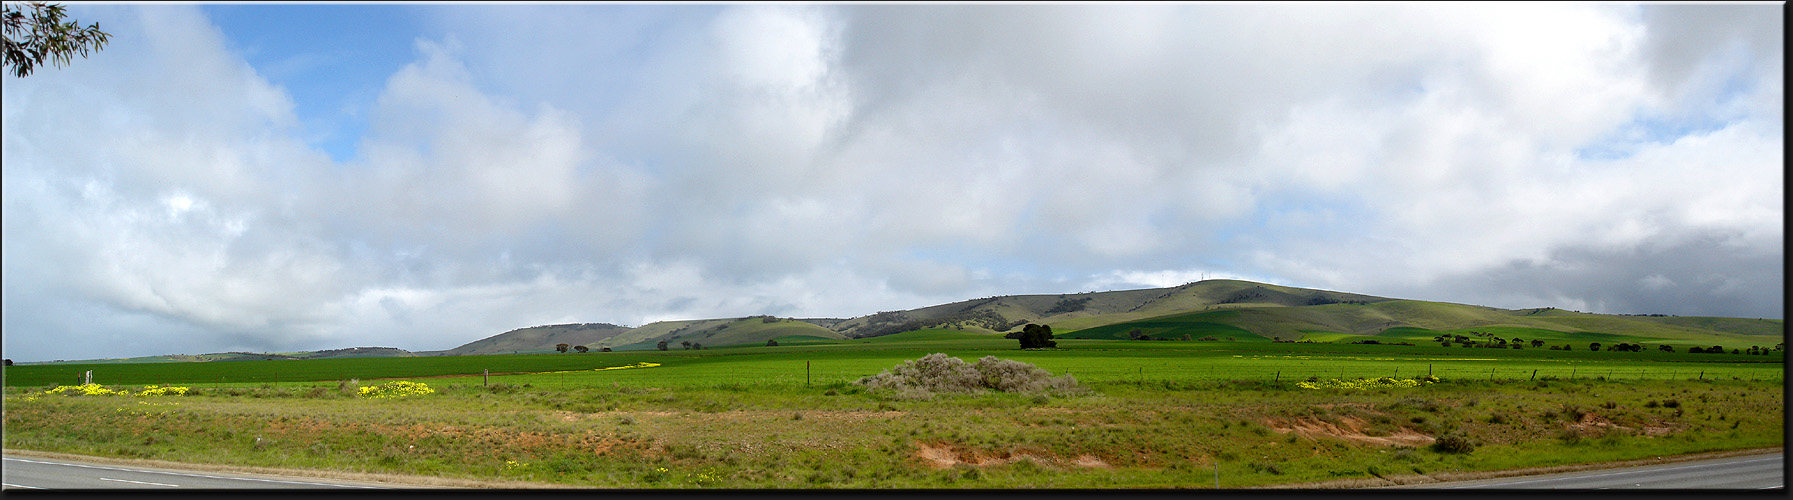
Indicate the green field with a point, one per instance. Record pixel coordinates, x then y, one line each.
845 360
1155 414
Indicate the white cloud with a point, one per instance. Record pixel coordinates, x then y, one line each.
559 163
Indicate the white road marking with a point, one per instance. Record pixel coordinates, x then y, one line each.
10 485
192 475
140 482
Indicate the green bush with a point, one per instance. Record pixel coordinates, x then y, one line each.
1453 442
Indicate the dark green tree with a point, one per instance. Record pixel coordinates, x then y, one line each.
1595 346
771 343
661 345
603 349
685 343
1036 337
581 348
36 33
560 347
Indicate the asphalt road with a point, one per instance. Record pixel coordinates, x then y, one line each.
1747 472
38 473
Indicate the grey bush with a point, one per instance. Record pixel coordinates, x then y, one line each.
938 373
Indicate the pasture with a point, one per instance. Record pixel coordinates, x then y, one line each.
1157 414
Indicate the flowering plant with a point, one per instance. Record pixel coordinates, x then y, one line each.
397 389
84 389
1368 383
643 364
150 390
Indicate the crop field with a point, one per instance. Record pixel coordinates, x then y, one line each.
1149 414
797 361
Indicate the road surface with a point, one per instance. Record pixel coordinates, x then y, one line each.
1746 472
56 474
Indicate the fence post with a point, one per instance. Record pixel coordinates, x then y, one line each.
1428 369
485 377
1534 374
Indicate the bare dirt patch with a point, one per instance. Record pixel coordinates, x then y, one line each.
1347 428
946 455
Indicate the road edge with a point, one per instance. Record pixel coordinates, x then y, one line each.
378 479
1451 477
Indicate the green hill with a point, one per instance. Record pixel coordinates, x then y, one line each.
536 338
1241 310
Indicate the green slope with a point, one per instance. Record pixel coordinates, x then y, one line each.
1420 321
1220 308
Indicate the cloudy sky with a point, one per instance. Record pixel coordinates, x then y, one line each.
278 178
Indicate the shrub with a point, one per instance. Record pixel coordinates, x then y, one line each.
1453 442
939 373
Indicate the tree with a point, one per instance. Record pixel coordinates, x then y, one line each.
685 343
1665 348
581 348
42 35
603 349
6 362
771 343
560 347
697 346
1537 343
661 345
1037 336
1595 346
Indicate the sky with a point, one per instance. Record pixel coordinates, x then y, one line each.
276 178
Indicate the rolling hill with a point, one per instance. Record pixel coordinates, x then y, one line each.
1221 309
1240 310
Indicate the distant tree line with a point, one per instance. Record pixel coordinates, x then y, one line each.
888 323
1068 305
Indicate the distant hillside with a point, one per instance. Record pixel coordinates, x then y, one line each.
351 352
1240 310
1092 309
590 335
709 332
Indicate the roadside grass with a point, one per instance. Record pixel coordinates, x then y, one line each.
1161 415
1128 435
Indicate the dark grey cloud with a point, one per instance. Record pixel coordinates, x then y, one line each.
1702 275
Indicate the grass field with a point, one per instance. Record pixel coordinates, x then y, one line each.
1158 414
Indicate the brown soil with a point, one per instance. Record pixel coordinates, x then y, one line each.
1348 428
946 455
